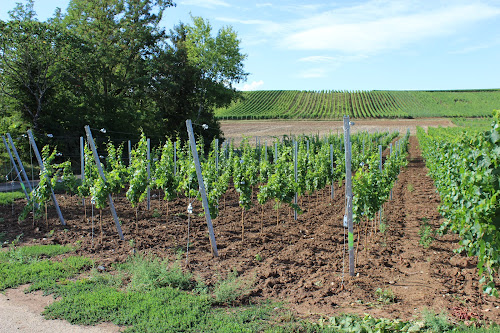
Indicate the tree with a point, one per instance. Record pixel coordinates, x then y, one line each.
123 37
218 58
32 63
195 75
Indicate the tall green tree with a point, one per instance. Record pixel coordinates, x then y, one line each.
32 62
196 74
122 36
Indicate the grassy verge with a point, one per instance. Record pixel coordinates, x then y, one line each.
6 198
146 294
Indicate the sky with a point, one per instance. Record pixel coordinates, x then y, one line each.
350 45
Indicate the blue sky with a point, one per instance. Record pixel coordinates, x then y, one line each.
351 45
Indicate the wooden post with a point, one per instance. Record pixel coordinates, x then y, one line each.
16 169
40 162
331 163
18 159
101 173
82 164
348 193
295 156
148 189
201 184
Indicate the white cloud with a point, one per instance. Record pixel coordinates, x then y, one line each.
317 59
205 3
267 4
313 73
252 86
370 28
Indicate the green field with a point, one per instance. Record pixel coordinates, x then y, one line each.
294 104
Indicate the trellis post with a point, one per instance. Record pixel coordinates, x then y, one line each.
18 159
16 168
101 173
40 162
201 184
348 193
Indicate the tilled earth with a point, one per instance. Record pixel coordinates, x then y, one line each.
303 262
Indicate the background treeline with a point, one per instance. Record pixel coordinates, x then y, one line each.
109 64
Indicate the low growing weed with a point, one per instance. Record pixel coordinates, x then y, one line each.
6 198
148 273
385 296
426 233
229 290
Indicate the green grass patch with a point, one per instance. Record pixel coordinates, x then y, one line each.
34 252
148 273
26 265
6 198
152 295
482 124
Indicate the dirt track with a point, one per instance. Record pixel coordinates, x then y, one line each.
269 129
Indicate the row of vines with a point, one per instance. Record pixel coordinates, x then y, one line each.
465 167
293 104
266 173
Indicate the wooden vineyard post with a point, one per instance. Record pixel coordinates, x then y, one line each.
380 169
129 145
82 164
296 198
18 159
16 169
101 173
390 154
216 148
348 193
40 162
175 158
275 152
148 189
331 163
201 185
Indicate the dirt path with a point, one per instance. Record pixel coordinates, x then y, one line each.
267 130
20 312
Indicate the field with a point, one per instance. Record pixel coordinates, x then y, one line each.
400 270
293 104
269 130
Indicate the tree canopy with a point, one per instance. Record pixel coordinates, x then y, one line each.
109 64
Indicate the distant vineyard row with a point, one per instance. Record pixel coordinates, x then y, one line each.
294 104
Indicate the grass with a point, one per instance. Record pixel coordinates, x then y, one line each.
25 265
474 123
6 198
147 294
426 234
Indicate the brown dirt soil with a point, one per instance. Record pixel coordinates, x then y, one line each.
267 130
300 262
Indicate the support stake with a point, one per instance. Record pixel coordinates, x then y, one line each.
101 173
192 143
40 162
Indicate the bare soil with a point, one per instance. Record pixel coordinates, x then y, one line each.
267 130
303 262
